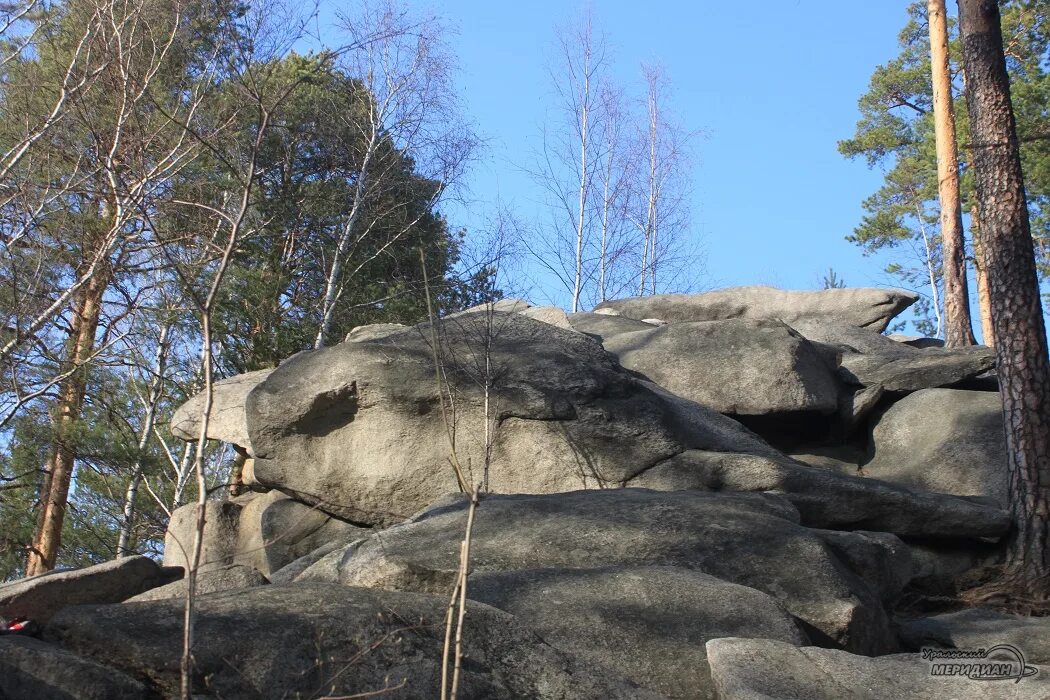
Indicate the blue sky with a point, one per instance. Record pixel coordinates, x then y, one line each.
771 88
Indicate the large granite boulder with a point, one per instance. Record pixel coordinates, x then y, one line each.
357 429
649 623
315 639
741 366
34 670
944 440
761 669
752 540
226 421
866 308
40 597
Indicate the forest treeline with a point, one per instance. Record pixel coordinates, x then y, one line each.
192 190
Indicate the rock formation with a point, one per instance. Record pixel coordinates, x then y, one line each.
721 495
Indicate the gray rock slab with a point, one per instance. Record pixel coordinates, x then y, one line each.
226 578
226 422
862 307
945 440
735 366
40 597
975 628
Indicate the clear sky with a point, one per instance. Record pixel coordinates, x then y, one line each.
772 85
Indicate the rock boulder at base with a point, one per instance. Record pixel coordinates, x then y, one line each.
649 623
752 540
980 627
761 669
741 367
40 597
945 440
866 308
317 640
34 670
226 420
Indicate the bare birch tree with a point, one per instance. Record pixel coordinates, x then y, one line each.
567 170
660 212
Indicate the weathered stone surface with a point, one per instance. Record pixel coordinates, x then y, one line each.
749 539
226 421
603 325
916 341
882 560
856 407
866 308
735 366
945 440
553 315
759 669
219 544
273 530
846 338
309 640
920 369
977 628
34 670
264 531
373 331
357 428
841 458
290 572
649 623
509 305
40 597
942 567
226 578
827 498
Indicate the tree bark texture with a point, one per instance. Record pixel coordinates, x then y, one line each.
958 329
1017 315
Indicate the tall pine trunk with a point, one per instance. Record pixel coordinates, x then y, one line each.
984 301
87 309
1017 314
958 329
